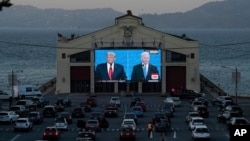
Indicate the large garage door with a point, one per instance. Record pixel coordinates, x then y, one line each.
80 79
175 77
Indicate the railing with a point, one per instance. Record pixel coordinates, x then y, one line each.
214 88
51 83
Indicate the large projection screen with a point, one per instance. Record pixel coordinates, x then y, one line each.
131 61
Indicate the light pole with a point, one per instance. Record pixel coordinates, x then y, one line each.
235 78
13 80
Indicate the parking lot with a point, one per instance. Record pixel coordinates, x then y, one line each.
180 130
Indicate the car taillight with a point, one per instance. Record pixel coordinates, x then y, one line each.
56 133
44 134
121 133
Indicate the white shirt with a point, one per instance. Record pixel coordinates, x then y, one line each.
108 66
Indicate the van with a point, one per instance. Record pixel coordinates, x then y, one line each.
24 91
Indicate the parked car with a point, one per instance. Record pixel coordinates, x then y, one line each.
66 102
219 100
110 112
158 116
170 105
129 123
127 133
86 136
20 110
96 115
67 116
35 117
135 100
196 121
237 121
224 104
203 100
78 112
201 132
143 106
40 101
167 110
8 116
130 115
115 100
190 115
161 125
226 115
93 125
61 124
175 100
51 133
23 124
86 107
234 108
25 102
49 111
202 110
91 101
111 105
138 111
196 103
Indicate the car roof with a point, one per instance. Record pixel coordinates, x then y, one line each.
193 118
128 119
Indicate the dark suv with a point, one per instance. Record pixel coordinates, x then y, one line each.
202 110
49 111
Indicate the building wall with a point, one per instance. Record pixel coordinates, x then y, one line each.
117 34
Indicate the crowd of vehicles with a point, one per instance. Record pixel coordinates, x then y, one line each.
90 121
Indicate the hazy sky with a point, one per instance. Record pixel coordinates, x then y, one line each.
137 6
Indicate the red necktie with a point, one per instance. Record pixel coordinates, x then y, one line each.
110 72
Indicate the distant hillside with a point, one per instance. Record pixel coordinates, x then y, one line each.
221 14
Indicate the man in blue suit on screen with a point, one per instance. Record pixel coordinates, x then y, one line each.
110 70
145 71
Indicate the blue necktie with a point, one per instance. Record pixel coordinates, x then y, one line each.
145 71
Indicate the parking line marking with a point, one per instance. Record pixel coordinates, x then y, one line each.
13 139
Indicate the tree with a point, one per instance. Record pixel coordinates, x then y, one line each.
5 3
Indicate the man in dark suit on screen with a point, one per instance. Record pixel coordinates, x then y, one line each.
145 71
110 70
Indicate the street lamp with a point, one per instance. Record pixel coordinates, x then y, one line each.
235 76
13 82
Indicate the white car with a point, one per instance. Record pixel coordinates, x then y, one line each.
4 95
8 116
190 115
195 121
129 123
201 132
23 124
61 124
175 100
115 100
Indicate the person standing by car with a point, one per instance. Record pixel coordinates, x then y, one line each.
150 128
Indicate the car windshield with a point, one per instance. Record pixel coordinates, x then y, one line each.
202 130
21 121
115 98
50 130
128 122
92 122
136 109
198 121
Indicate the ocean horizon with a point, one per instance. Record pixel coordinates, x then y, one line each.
31 54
